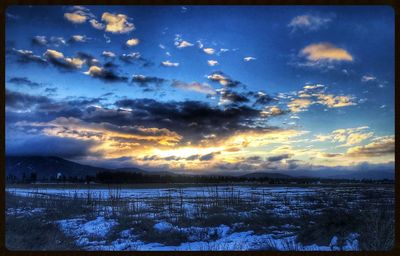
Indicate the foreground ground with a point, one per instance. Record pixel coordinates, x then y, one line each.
208 217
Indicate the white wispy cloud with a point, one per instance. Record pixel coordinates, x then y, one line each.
209 50
247 59
368 78
308 22
212 62
168 63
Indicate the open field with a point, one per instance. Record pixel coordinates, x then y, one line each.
207 217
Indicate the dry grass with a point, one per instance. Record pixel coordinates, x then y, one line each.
330 212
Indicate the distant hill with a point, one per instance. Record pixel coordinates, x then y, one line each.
366 175
47 166
378 174
137 170
272 175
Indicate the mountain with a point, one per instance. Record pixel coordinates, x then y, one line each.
375 175
272 175
137 170
47 166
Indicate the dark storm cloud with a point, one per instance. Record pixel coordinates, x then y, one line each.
105 74
278 157
193 120
110 65
232 97
88 58
147 81
49 146
42 108
24 81
261 98
22 101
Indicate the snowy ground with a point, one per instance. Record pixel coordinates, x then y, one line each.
133 219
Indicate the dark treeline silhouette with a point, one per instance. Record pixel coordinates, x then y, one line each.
123 177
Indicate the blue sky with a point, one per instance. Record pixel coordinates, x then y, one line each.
312 86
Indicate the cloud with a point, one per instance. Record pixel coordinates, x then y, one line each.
247 59
192 119
168 63
212 62
308 22
348 137
24 81
381 146
278 157
146 81
135 57
44 41
38 107
109 139
39 40
272 111
142 127
200 44
22 101
299 105
313 87
57 41
368 78
315 94
97 25
325 52
180 43
27 56
183 44
79 38
76 17
208 157
89 59
132 42
130 57
42 145
223 79
231 97
108 54
58 60
332 101
261 98
105 74
194 86
12 16
209 50
117 23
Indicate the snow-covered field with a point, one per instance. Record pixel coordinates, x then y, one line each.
196 218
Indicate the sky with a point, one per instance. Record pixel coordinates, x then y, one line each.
202 89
